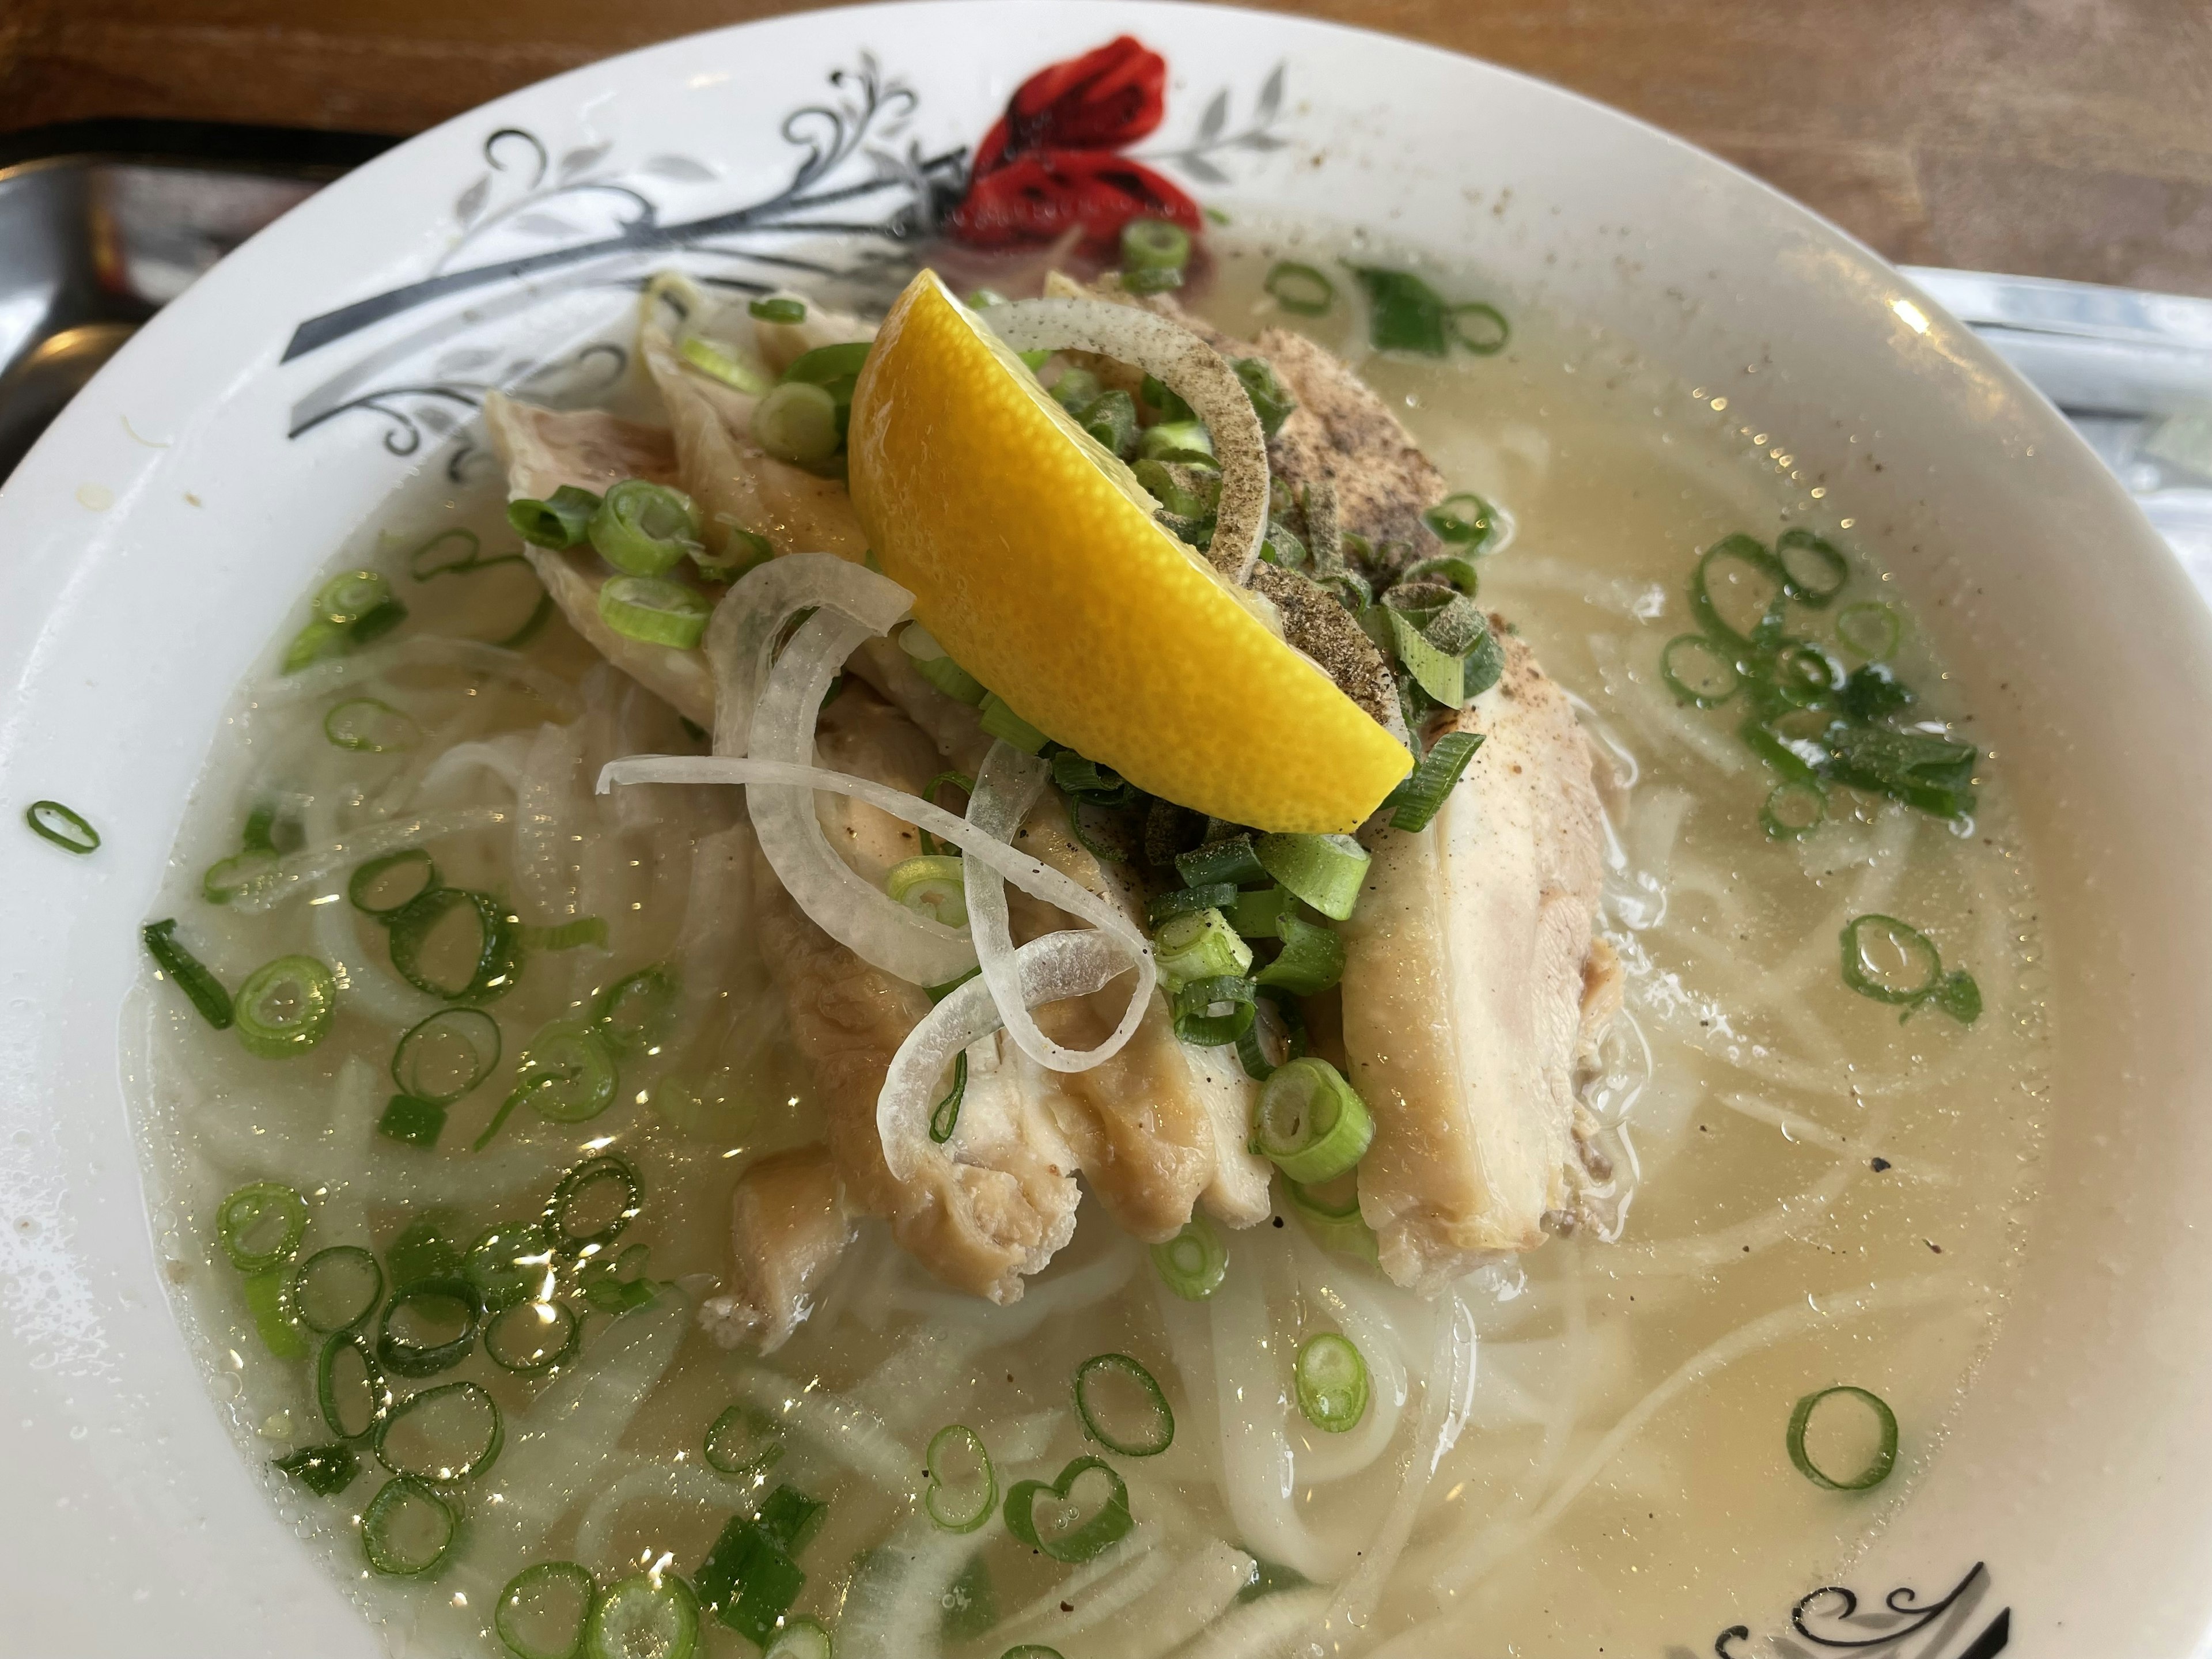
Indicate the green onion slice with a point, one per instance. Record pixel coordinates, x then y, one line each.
410 1121
408 1530
373 1400
645 529
1122 1406
226 878
1333 1216
426 562
268 1300
1324 871
651 1613
1310 1123
1870 629
1698 672
583 1197
510 1262
1065 1534
447 1434
1404 313
933 886
64 826
541 1613
778 309
800 1637
369 725
964 1487
1312 958
318 640
829 365
1812 569
1214 896
1444 640
798 422
1186 441
336 1289
632 1015
1199 944
743 1441
1462 521
1805 676
442 1058
189 973
497 952
567 1073
1739 593
582 930
531 1338
1454 571
1110 419
261 1226
1233 861
655 610
732 370
1889 960
1209 1012
1194 1262
352 595
375 625
1154 245
945 1116
1878 1466
1300 289
369 891
284 1007
429 1327
1793 810
1000 721
1151 279
1414 803
1271 401
1254 1046
559 521
1331 1379
1480 327
325 1471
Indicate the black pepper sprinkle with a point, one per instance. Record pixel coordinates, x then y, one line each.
1879 1165
1278 1221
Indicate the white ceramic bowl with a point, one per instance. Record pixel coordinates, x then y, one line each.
160 532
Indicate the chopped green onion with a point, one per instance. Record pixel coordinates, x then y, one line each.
1454 572
1732 570
749 1578
191 975
336 1289
1414 803
284 1007
1086 780
931 886
970 1604
226 878
1194 1263
423 1448
1331 1378
584 930
411 1122
1324 871
1461 521
64 826
1812 569
1034 360
369 725
635 1014
245 1220
1188 901
1194 1004
649 1615
1698 672
800 1637
1878 1466
1110 419
423 568
442 1058
1198 945
930 845
531 1338
1891 962
421 1251
1176 441
1253 1046
938 668
1270 401
1312 959
1873 691
566 1074
1310 1123
318 640
1804 675
1001 722
1870 630
1076 390
1159 394
654 611
362 887
1154 245
964 1487
541 1613
1793 810
742 1441
826 366
1445 641
375 1394
1151 279
570 1197
778 309
743 551
352 595
645 529
945 1116
429 1327
1480 327
1930 773
1404 313
1107 1421
714 361
375 625
1300 289
408 1530
559 521
1064 1537
266 1300
497 955
1336 1224
1182 490
510 1262
325 1471
798 423
1258 913
1233 861
791 1518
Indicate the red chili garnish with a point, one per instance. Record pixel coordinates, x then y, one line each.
1101 101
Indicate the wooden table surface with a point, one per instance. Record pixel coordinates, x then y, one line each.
2058 137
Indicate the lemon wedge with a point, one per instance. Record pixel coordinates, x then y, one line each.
1034 558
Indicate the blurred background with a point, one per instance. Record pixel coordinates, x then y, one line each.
2064 141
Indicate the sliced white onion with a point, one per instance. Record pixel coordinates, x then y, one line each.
843 903
1190 368
1005 789
503 757
292 873
754 611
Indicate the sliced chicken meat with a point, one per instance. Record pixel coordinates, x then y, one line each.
789 1224
1474 990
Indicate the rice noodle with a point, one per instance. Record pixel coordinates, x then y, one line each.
323 679
669 1483
894 1606
1268 1628
503 757
844 1428
1194 372
1335 1286
285 877
1182 1584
